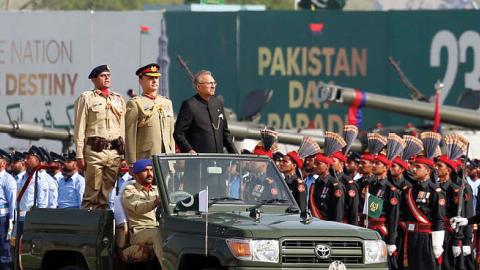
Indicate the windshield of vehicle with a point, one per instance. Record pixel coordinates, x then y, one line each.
234 180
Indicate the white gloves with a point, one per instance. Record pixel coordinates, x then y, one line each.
456 251
10 229
391 249
437 242
467 250
458 221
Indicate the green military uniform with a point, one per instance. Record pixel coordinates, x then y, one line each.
99 132
139 204
149 127
149 120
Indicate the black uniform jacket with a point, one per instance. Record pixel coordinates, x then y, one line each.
202 126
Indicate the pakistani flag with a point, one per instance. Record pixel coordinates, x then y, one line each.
375 206
197 203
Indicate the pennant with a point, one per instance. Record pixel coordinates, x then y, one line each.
355 110
197 203
375 206
144 29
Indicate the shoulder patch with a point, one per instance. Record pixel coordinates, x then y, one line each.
393 201
338 193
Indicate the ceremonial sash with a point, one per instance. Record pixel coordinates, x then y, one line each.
416 213
313 206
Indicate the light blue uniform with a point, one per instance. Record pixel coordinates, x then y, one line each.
119 185
52 191
8 195
19 177
58 176
27 199
70 191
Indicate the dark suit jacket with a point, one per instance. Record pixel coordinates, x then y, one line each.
202 126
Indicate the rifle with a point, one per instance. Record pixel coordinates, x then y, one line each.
185 67
462 187
415 94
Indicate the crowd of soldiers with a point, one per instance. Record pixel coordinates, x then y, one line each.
414 196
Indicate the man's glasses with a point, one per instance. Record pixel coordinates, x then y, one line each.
209 83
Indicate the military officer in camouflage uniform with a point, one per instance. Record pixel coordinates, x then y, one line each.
149 120
99 137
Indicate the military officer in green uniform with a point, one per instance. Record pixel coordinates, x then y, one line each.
149 120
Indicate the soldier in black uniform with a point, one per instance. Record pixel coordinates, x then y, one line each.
351 197
422 212
453 240
290 167
396 178
201 125
365 169
387 223
397 170
327 194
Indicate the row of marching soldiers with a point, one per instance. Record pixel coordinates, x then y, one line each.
407 191
36 178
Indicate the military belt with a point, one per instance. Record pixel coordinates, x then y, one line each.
98 144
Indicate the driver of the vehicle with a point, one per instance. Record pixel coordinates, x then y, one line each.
140 201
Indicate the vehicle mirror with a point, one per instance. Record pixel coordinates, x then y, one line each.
214 170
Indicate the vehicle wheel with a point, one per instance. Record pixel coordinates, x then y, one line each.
73 267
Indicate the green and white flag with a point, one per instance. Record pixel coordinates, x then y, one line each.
197 202
375 206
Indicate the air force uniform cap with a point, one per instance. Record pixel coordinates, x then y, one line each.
5 155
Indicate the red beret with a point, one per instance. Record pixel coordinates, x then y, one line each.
366 156
339 155
259 150
294 156
452 163
401 163
425 161
324 159
384 160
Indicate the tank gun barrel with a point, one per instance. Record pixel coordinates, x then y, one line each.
244 132
449 114
35 132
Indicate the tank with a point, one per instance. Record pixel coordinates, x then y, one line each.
240 130
36 132
449 114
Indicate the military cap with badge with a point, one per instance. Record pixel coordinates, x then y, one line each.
149 70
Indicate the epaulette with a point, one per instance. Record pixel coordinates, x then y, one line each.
351 181
456 190
406 187
393 188
438 189
335 184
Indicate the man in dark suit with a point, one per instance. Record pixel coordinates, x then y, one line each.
201 123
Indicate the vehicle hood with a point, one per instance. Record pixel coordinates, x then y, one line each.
275 226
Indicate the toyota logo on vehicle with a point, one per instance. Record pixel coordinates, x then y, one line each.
322 251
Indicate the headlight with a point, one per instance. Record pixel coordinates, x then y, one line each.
375 251
254 250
